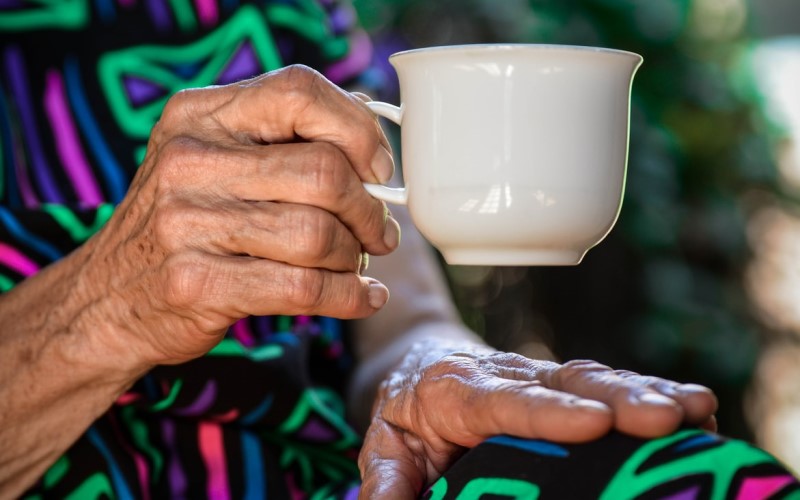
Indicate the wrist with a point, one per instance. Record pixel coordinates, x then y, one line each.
423 344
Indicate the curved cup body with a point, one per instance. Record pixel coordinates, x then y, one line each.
514 154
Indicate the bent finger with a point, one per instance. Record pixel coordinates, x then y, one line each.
245 286
299 102
388 468
639 410
465 410
315 174
299 235
698 402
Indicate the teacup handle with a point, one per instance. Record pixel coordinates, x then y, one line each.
398 196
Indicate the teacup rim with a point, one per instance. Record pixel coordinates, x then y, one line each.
514 47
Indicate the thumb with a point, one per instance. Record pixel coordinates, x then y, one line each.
388 468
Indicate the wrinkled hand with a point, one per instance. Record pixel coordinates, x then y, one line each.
440 402
249 202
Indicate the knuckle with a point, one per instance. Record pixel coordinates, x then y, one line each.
328 176
168 220
316 238
304 288
299 84
577 369
176 223
178 106
175 105
176 158
187 279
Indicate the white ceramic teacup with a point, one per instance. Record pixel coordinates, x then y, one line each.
512 154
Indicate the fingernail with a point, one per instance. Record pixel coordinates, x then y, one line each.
378 295
651 398
693 389
382 165
391 233
590 404
364 263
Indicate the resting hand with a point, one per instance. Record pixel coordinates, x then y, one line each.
249 202
440 402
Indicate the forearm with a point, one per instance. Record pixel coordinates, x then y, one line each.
56 376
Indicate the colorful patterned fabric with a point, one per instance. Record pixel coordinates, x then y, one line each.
261 416
81 84
688 465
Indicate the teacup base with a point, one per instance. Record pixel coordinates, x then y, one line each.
517 257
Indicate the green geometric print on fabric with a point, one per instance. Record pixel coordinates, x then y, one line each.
56 472
184 13
38 14
155 64
512 489
95 486
311 25
721 462
77 230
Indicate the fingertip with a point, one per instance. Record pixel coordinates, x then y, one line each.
382 165
378 294
580 426
362 96
710 424
699 402
391 233
649 415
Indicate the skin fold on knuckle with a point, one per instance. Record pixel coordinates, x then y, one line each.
298 87
329 177
303 289
171 224
577 373
188 281
192 109
311 235
182 161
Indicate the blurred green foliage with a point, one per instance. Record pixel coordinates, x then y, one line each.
663 293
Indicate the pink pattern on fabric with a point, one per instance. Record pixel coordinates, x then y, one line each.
207 11
356 61
15 260
67 143
128 398
212 450
141 464
242 332
761 488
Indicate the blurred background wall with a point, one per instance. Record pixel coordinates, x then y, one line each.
699 281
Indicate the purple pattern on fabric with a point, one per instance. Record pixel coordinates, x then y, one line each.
29 198
687 494
17 73
342 19
177 479
316 430
243 64
352 493
141 91
356 61
159 13
203 402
